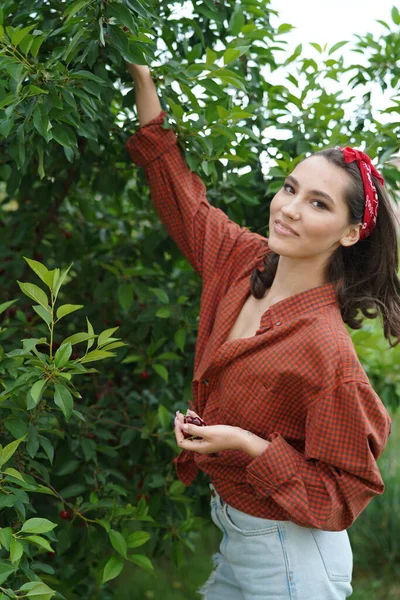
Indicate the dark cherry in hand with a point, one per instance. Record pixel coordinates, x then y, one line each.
193 421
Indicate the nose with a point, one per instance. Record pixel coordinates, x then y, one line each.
290 211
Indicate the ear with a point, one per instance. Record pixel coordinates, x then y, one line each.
351 235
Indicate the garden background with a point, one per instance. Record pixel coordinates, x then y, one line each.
95 358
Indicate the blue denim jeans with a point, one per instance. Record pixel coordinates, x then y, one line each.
263 559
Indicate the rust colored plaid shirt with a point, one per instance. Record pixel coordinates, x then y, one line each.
297 382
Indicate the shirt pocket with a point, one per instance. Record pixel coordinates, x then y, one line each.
245 402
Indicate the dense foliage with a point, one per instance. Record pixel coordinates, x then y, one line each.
83 486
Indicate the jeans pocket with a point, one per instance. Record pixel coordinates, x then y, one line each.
246 524
336 553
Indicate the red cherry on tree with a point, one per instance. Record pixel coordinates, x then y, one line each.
144 375
65 514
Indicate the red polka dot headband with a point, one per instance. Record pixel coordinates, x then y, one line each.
371 197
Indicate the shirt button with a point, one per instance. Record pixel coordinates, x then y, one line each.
278 323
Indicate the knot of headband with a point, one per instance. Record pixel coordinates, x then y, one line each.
371 197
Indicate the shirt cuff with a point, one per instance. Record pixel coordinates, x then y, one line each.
150 141
186 468
273 467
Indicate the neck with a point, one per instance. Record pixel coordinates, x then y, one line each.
294 276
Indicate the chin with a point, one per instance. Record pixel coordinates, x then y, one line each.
281 247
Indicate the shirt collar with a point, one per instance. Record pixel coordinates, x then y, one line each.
298 304
303 302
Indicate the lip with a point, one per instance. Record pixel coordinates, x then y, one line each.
284 229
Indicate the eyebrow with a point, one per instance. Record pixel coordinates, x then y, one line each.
315 192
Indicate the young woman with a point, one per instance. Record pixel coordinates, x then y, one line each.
294 427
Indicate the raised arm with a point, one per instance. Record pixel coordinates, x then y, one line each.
204 233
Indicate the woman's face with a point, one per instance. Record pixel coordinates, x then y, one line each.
312 203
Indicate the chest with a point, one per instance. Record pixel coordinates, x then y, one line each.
248 320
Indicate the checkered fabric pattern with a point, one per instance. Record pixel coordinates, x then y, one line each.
297 382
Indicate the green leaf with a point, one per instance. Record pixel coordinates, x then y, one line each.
75 7
113 568
164 312
395 15
231 54
284 28
35 293
87 75
237 20
16 550
67 309
59 280
129 51
336 47
164 416
39 541
37 525
41 122
105 335
19 34
211 57
64 136
35 47
107 347
125 296
316 46
96 355
9 450
14 473
37 590
41 162
91 333
161 370
142 561
122 14
6 569
77 338
5 538
118 542
5 305
6 126
176 488
63 399
47 447
63 355
138 538
180 338
43 313
132 358
37 390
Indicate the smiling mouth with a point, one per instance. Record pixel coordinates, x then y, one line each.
281 228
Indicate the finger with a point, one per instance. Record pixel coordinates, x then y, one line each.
178 432
180 417
195 429
192 413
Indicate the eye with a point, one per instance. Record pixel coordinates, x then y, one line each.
287 185
323 203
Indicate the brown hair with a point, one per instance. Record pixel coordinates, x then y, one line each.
365 274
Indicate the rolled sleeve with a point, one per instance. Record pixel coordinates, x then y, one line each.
329 484
276 465
151 140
